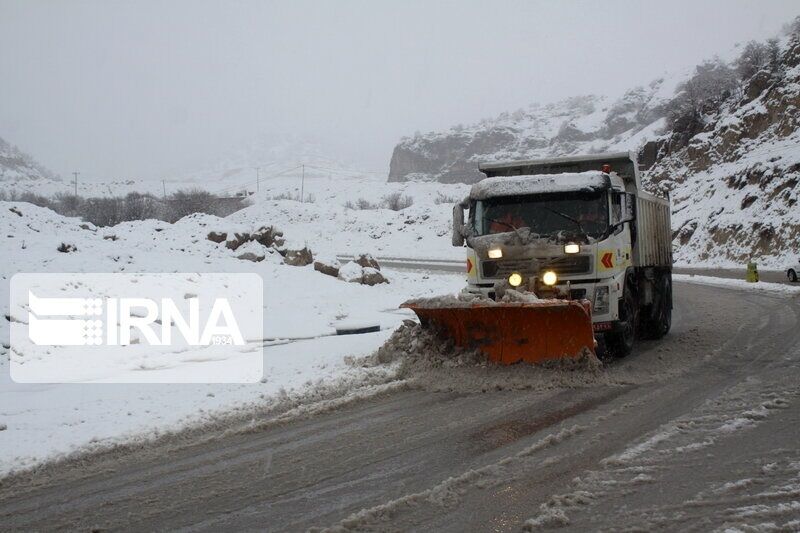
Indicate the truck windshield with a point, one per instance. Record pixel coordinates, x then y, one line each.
545 214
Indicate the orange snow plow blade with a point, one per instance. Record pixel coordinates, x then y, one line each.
512 332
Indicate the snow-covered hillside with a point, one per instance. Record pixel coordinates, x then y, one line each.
347 216
288 156
735 185
19 168
236 172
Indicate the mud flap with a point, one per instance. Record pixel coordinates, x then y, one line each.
509 333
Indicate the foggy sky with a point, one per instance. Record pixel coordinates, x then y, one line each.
149 89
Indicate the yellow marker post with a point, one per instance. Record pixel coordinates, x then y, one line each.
752 272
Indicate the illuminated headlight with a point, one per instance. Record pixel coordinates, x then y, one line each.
515 280
495 253
572 248
600 300
549 278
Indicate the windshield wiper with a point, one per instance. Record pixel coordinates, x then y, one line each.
495 221
571 219
513 228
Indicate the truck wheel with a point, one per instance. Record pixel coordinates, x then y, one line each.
792 275
619 343
660 320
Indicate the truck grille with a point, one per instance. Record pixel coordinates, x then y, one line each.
563 266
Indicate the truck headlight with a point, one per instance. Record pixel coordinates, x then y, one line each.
572 248
495 253
549 278
515 279
600 300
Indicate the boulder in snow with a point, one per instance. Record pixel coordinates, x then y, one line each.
300 257
372 276
329 267
251 251
217 237
67 248
268 236
250 256
354 273
236 240
367 261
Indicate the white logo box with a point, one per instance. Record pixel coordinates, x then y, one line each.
136 328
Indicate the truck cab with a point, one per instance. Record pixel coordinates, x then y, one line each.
573 228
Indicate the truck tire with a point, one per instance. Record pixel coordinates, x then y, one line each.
619 342
792 275
660 320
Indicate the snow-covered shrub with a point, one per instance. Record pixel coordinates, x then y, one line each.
137 206
700 96
186 202
442 198
361 204
103 211
396 201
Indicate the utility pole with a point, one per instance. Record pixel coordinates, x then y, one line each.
302 185
76 182
258 178
164 187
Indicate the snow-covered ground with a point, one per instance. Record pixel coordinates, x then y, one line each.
302 357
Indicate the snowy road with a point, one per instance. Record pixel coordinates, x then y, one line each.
444 265
696 432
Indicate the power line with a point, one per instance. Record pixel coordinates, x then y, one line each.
352 171
240 185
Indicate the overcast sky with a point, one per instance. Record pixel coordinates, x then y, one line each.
150 89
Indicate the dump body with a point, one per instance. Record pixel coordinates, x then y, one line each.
653 248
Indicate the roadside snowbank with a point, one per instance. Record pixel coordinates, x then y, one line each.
301 308
778 288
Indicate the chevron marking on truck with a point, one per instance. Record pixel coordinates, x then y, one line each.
608 260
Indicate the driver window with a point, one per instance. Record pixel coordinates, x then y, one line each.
616 208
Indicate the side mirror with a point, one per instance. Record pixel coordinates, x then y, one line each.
628 207
458 225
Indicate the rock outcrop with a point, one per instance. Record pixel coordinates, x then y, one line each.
582 124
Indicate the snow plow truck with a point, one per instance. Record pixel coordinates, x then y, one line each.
561 253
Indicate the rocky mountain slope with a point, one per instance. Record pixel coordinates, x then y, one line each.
17 166
735 183
583 124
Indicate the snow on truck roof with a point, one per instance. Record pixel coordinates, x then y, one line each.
593 180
